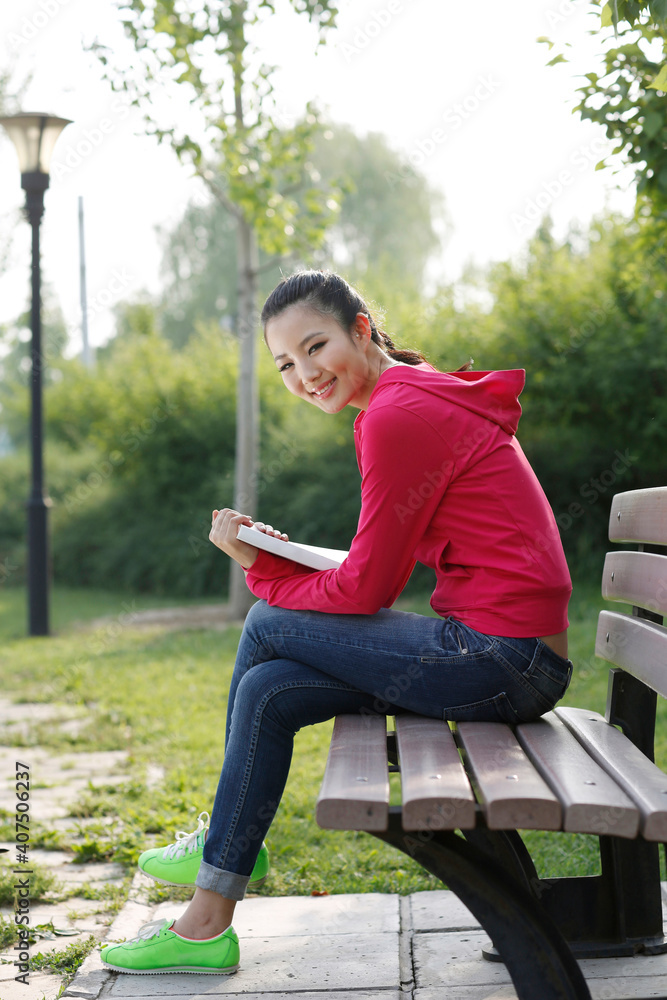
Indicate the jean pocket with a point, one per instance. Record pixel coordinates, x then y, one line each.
459 641
549 674
496 709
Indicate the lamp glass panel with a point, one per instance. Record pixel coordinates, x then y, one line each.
34 137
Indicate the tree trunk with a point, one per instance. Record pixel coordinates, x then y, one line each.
247 405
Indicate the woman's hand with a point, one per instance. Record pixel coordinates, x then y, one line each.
268 530
224 531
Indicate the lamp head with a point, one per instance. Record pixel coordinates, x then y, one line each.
34 136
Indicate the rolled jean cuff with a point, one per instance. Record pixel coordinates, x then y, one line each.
227 884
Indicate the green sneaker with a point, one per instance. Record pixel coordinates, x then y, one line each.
178 863
157 949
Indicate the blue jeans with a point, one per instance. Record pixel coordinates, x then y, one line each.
296 668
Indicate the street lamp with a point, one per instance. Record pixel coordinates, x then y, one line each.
34 136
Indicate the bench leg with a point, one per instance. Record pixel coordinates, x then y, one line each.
508 849
535 953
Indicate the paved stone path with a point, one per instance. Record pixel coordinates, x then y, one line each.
56 781
426 946
211 616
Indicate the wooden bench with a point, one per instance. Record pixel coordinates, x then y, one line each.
572 770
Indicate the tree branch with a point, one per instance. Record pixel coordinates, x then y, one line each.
219 195
273 261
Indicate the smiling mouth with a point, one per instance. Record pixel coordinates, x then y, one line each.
325 388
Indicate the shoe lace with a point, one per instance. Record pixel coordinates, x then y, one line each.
187 841
149 930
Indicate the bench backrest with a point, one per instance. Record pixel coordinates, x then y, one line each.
636 643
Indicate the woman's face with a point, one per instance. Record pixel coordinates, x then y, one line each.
319 361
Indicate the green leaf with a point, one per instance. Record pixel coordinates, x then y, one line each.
658 10
660 81
557 59
606 18
547 41
653 123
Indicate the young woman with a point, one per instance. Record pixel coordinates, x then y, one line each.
443 481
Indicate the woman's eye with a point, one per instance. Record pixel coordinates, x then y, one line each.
283 368
314 347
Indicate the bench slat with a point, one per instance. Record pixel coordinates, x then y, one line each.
435 788
592 801
643 781
355 790
636 645
639 516
510 790
639 578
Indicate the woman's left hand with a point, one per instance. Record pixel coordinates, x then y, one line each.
269 530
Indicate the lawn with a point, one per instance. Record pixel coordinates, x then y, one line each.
162 695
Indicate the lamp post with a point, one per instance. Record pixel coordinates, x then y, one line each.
34 136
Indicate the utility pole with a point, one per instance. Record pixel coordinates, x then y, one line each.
247 393
86 355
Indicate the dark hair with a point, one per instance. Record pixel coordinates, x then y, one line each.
330 295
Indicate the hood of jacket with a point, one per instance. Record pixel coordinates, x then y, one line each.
493 395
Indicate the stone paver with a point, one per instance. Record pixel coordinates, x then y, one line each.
449 965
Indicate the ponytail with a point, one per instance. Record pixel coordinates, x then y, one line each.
404 354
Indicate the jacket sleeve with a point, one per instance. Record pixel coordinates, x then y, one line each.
406 469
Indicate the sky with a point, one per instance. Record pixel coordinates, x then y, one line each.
461 90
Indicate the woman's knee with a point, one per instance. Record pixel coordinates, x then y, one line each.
262 614
255 615
270 692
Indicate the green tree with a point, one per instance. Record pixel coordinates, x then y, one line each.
252 164
387 226
628 99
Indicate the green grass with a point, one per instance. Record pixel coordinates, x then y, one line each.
63 962
161 696
44 886
70 605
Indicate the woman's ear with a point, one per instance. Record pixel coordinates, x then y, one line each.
361 330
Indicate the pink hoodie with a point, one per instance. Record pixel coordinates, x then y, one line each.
445 482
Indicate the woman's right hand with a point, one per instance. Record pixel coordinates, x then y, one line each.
224 529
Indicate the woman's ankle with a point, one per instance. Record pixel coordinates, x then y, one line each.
195 931
208 914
